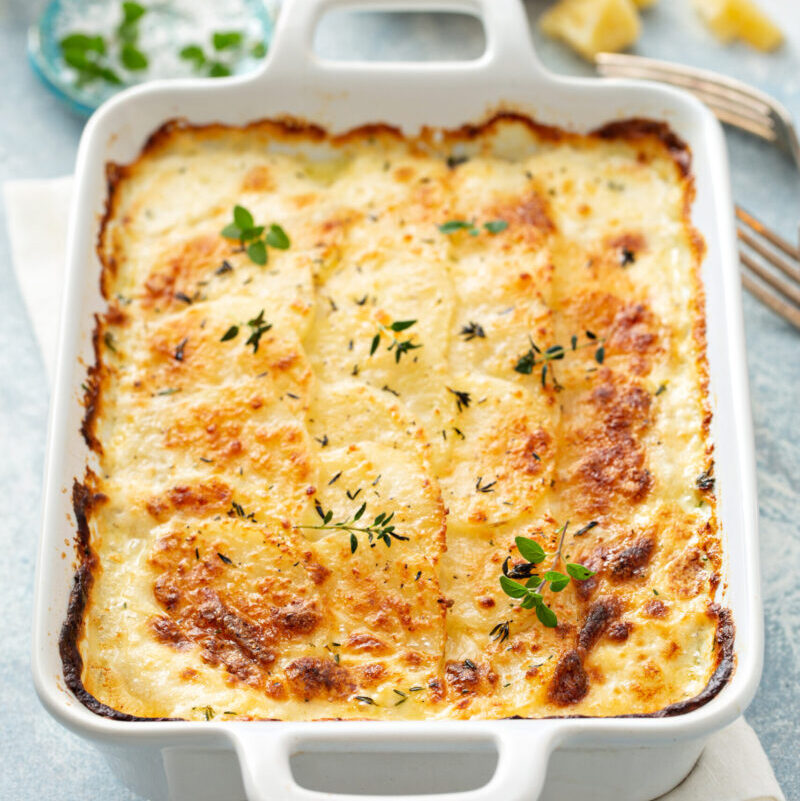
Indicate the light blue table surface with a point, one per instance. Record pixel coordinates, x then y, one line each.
38 138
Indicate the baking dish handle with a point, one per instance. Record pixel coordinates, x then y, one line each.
508 41
523 749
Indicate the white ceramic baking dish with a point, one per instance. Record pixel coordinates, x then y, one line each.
612 758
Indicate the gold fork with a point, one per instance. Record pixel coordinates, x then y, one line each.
736 103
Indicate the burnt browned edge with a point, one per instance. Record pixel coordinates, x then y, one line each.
83 499
632 129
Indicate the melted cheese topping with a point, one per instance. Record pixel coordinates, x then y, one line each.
211 595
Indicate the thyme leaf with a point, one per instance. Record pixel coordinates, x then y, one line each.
535 357
179 349
495 226
225 40
705 481
381 528
472 330
398 346
500 632
451 226
588 527
491 226
208 711
463 399
484 487
258 328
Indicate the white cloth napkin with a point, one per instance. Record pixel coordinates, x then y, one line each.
733 767
37 213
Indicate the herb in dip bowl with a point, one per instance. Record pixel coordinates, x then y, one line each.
86 50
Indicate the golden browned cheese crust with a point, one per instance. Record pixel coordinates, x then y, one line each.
208 590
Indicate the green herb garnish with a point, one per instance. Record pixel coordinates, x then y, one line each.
226 40
530 593
237 510
85 57
89 56
398 346
251 236
484 487
381 527
463 399
128 29
223 43
84 43
500 632
258 328
472 330
132 12
219 70
451 226
193 53
132 58
588 527
492 226
705 481
535 356
179 349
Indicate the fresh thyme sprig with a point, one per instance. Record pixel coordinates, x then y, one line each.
252 237
492 226
530 593
381 528
398 346
535 356
258 327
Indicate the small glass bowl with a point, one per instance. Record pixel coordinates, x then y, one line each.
167 27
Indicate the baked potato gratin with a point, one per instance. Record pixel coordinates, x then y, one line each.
399 427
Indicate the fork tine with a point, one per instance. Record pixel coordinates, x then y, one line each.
780 307
776 282
745 123
772 258
763 230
